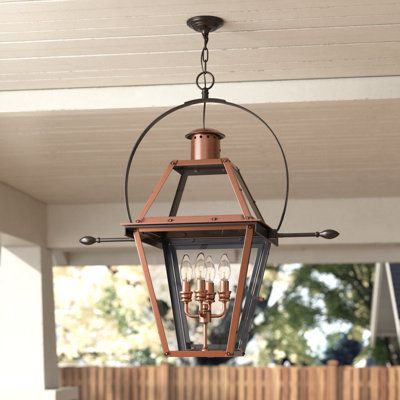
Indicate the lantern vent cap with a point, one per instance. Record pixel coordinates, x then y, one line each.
205 131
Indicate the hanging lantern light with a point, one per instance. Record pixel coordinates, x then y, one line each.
214 264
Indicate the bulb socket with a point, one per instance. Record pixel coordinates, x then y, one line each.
224 293
200 293
224 285
185 286
210 293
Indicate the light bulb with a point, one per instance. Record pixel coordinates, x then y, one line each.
200 267
186 268
210 269
224 268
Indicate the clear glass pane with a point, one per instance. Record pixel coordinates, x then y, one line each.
215 198
257 264
206 258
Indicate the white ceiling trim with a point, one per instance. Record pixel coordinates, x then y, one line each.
262 92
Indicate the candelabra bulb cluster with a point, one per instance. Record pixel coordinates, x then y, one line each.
204 294
204 268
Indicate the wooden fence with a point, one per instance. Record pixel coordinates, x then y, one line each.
166 382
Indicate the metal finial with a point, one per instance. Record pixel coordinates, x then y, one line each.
326 234
329 234
87 240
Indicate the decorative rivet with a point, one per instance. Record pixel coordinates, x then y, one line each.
138 221
166 353
170 219
214 219
228 354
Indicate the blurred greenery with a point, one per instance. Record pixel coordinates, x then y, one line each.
111 309
104 317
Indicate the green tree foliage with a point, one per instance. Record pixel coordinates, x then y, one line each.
284 324
332 293
112 319
111 308
344 290
103 316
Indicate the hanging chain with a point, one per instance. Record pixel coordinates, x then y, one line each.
204 87
204 58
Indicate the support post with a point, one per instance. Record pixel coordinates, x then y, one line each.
28 368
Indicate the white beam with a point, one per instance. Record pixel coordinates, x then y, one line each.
284 254
21 217
59 257
368 228
303 90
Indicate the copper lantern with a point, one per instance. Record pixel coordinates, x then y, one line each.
212 265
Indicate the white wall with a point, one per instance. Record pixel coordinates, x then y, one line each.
368 230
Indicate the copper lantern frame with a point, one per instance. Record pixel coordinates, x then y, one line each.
155 230
246 230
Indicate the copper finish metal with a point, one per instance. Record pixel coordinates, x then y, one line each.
186 228
229 168
188 163
152 295
236 188
200 353
204 293
240 290
205 143
191 219
205 336
205 297
156 190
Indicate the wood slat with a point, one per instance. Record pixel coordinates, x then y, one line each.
166 382
134 376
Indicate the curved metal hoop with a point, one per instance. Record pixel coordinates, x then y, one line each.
201 101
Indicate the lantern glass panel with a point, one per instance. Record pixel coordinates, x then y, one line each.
165 258
164 199
183 332
258 262
214 200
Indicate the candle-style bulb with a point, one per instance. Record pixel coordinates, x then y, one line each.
224 268
200 267
186 268
210 269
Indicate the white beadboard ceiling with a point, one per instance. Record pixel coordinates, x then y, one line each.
335 150
75 43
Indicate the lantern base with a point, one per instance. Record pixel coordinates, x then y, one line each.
205 23
204 353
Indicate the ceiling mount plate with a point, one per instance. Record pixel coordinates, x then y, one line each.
205 23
